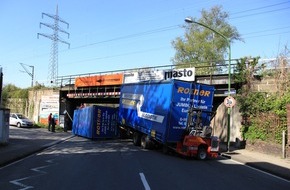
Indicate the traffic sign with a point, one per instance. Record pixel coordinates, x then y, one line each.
229 102
231 92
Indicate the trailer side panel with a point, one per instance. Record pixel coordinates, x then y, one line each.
160 109
95 122
145 108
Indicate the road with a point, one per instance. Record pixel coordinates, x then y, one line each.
80 163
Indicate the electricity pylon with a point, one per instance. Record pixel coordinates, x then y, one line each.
53 64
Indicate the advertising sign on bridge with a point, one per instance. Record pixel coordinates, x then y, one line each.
185 74
99 80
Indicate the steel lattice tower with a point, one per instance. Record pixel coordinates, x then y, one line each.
53 62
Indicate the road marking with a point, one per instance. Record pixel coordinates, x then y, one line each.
37 170
17 183
143 179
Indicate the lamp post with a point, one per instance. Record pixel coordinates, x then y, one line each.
28 72
189 20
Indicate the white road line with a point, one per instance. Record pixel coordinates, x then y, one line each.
38 170
143 179
259 170
17 182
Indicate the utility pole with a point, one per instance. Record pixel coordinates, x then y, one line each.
31 74
53 64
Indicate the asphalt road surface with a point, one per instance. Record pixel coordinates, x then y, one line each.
80 163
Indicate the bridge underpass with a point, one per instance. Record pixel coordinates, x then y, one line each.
72 97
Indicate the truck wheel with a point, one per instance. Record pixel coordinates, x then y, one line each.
145 142
201 154
137 139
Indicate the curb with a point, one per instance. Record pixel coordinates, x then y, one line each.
57 142
226 155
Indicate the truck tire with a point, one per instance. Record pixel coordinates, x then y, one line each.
145 142
201 153
136 139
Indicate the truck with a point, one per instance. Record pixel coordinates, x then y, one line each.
174 114
96 122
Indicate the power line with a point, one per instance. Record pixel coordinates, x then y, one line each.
266 30
142 34
259 8
174 27
260 13
117 55
149 32
268 34
130 36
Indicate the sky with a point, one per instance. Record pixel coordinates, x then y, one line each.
119 35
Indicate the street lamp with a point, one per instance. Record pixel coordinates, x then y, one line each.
28 72
189 20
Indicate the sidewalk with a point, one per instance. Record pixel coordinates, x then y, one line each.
265 162
24 142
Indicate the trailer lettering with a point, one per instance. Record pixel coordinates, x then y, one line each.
180 104
99 115
184 110
183 90
178 73
149 116
204 93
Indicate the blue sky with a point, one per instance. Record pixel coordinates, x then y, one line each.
116 35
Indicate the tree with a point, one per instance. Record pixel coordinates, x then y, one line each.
7 92
282 71
246 70
201 46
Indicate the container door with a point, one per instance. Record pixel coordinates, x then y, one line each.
181 99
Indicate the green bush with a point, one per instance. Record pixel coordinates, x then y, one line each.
266 114
254 132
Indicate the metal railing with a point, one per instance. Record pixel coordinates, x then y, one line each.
220 69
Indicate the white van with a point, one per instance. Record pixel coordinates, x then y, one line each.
20 120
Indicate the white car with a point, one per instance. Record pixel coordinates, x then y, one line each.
20 120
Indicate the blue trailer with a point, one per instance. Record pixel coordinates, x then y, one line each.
170 112
96 122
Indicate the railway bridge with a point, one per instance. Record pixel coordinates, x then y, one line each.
104 87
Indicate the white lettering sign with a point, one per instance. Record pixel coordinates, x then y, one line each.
186 74
180 74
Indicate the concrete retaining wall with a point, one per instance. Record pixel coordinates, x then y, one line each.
220 123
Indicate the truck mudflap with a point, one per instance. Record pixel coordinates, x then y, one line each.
195 146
